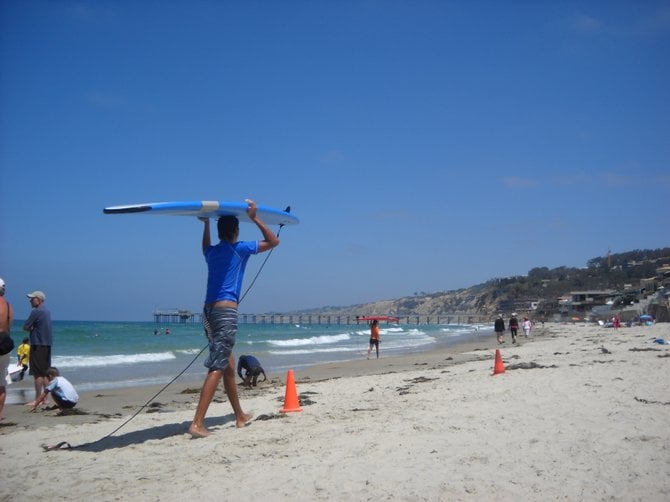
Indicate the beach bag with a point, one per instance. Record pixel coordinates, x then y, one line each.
6 344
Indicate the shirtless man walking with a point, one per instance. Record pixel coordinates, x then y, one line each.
6 318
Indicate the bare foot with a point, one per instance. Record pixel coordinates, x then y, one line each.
243 420
198 432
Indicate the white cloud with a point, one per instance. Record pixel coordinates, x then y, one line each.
659 21
615 179
331 157
586 24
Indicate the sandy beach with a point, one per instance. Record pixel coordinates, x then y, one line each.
580 413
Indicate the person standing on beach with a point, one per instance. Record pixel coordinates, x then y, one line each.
38 325
6 318
514 326
499 327
527 327
374 337
226 262
23 353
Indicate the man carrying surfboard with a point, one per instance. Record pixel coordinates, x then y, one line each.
374 337
226 262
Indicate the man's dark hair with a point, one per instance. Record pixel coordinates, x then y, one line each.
227 226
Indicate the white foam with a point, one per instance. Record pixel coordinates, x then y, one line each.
314 340
113 360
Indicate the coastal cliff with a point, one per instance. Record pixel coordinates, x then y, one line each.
631 277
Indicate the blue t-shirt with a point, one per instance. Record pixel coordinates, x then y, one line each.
247 363
226 263
39 326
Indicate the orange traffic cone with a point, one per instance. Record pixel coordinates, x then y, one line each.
498 367
291 402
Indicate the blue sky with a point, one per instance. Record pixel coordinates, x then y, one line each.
425 145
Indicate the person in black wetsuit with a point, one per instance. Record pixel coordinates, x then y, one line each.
514 327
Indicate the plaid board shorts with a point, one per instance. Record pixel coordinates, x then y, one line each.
221 327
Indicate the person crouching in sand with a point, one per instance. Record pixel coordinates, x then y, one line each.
61 390
252 370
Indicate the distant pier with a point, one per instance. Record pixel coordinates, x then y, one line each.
173 316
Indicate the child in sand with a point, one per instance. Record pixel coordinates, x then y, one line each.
61 390
252 370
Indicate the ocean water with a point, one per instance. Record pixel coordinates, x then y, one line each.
104 355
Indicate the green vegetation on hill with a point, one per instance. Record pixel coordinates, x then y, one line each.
622 273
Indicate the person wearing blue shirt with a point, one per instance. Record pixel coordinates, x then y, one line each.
252 370
38 325
226 262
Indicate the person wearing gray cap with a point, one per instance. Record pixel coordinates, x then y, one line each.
6 318
38 325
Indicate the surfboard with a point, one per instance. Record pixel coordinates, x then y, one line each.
207 209
378 318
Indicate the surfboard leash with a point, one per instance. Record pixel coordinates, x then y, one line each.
260 269
155 395
64 445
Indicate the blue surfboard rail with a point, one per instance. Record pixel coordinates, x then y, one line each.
206 209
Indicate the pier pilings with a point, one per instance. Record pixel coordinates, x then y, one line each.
187 317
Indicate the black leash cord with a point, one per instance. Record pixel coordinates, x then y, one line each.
155 395
253 281
192 361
